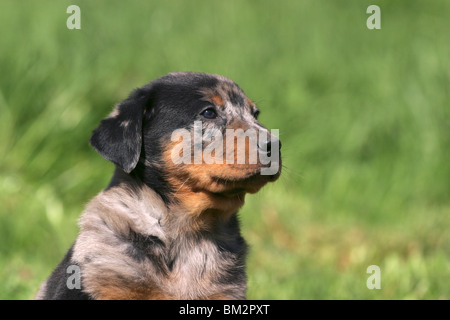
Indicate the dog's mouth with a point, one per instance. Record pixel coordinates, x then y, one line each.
252 182
219 187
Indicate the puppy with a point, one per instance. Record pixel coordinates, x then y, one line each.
166 227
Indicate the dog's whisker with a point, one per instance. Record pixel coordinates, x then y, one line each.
182 184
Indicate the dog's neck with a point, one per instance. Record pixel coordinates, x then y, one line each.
189 212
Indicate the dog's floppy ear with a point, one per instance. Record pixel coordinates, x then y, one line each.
118 138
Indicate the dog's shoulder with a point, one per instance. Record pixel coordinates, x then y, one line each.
120 230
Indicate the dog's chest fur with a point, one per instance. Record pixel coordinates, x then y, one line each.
131 246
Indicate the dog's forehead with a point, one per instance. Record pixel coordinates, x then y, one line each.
225 92
211 87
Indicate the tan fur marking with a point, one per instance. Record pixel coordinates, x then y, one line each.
109 292
217 100
196 187
218 297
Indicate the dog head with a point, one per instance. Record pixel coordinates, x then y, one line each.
194 138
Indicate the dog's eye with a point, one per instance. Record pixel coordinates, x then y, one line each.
256 114
209 113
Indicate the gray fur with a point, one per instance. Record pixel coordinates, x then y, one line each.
197 264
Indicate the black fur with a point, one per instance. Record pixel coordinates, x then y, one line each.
58 282
119 138
147 248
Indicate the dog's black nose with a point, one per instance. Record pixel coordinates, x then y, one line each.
266 145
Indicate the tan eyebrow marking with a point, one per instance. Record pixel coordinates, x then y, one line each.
217 100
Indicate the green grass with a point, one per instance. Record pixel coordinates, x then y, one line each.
363 114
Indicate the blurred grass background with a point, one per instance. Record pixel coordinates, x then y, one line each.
363 116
